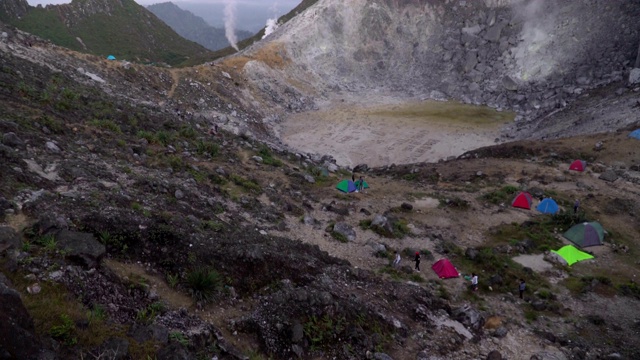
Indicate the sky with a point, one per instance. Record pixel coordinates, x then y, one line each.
283 3
251 15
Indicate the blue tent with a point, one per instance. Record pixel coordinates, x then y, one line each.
111 57
635 134
346 186
548 206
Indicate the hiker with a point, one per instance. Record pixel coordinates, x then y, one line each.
474 282
576 205
396 261
353 177
213 130
521 288
360 184
417 260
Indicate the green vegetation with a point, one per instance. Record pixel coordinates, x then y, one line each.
147 314
399 228
203 283
64 330
267 157
120 32
323 331
106 124
208 148
500 196
247 184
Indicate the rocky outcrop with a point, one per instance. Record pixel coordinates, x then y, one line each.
17 332
529 56
13 9
81 248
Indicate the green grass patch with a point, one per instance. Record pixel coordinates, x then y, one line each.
501 196
203 284
247 184
106 124
267 157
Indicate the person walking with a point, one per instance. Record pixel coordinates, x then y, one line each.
474 282
576 205
360 185
417 260
521 288
396 261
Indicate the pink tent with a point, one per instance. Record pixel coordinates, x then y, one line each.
445 269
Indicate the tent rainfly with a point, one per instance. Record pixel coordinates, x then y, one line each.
445 269
585 234
570 255
523 201
578 165
111 57
548 206
635 134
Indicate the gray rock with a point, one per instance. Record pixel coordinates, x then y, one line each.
308 220
12 140
9 239
472 30
52 147
332 168
310 179
438 95
297 333
298 350
494 355
345 230
17 332
634 76
174 352
257 159
361 168
406 206
609 176
509 84
80 247
493 33
469 317
471 60
500 332
471 253
381 356
539 305
379 220
179 194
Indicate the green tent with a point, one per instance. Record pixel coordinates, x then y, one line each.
586 234
571 255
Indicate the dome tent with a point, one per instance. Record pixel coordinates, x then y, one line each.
578 165
548 206
585 234
523 201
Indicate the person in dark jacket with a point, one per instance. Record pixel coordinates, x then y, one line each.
417 260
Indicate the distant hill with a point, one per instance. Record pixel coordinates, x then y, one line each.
102 27
193 27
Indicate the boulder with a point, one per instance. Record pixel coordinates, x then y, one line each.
9 239
471 253
381 356
361 168
52 147
345 230
494 355
406 206
174 352
469 317
310 179
609 176
143 334
493 33
81 248
12 140
634 76
509 84
17 332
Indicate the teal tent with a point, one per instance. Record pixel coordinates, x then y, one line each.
348 186
571 255
635 134
585 234
111 57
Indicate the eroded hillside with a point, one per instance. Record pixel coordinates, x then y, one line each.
132 228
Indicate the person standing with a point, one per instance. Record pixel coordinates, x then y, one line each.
576 205
360 184
474 282
396 261
417 260
521 288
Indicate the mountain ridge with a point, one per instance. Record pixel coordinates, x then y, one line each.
103 27
193 27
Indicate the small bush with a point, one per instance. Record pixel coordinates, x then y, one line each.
338 236
245 183
64 331
454 203
203 283
207 148
267 157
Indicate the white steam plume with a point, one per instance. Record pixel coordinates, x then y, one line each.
272 23
230 23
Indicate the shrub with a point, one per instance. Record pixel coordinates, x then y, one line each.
203 283
267 157
500 196
207 148
338 236
64 331
245 183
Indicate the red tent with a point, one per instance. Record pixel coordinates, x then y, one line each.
523 201
578 165
445 269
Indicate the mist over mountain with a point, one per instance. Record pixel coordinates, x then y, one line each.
193 27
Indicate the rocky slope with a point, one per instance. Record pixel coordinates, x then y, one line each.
533 56
130 231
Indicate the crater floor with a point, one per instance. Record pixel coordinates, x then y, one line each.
393 133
